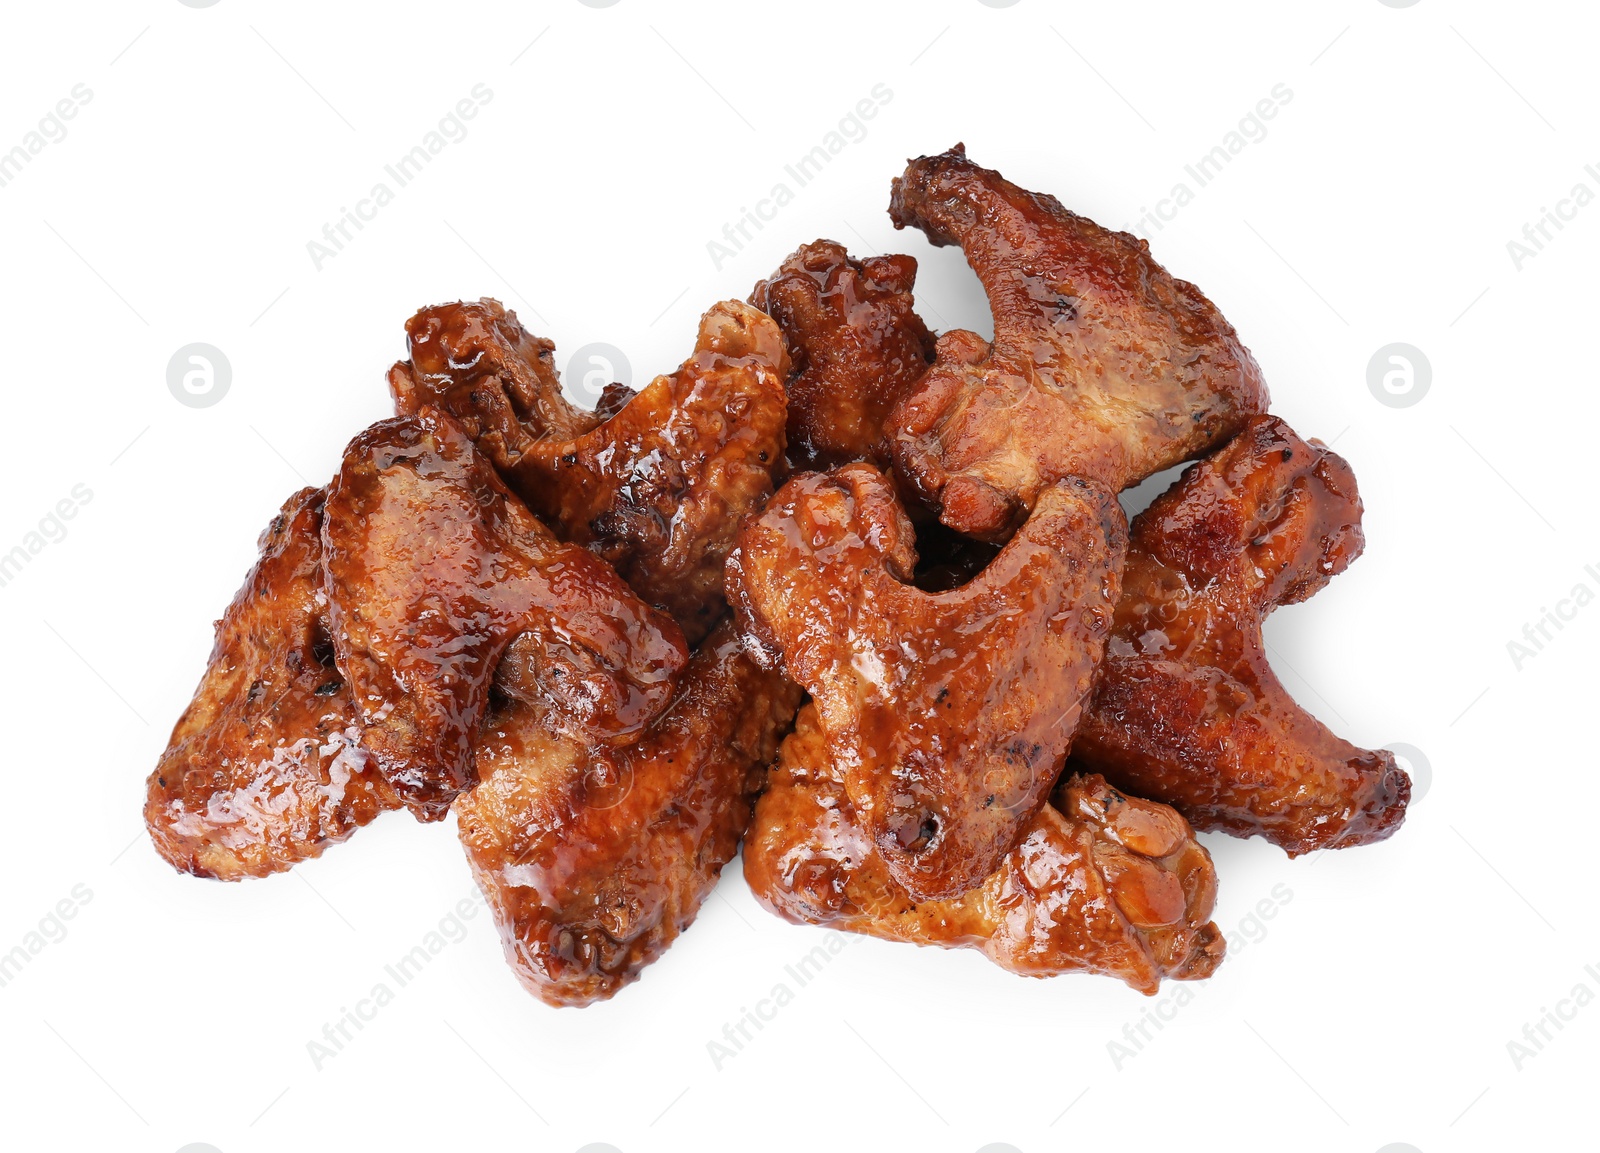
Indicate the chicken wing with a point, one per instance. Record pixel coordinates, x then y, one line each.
433 567
658 488
949 713
459 349
1099 882
1188 710
856 346
265 767
1102 364
595 859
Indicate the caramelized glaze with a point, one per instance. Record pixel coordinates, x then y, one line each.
433 567
1189 711
856 345
1099 882
948 713
266 767
657 488
1102 365
594 859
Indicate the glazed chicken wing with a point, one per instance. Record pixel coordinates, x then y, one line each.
1188 710
949 713
658 488
594 859
856 346
265 767
1099 882
457 350
1102 365
433 568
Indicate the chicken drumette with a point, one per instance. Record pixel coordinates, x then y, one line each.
658 488
1188 710
949 714
1099 881
1102 365
856 345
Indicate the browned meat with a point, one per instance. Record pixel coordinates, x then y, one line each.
265 767
594 859
1189 711
1102 365
433 567
659 487
1100 881
949 713
856 344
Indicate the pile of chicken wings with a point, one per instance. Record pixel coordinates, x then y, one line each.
861 599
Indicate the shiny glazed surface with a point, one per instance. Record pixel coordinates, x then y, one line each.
658 488
432 569
265 767
1099 882
1102 365
594 859
949 714
856 346
1189 711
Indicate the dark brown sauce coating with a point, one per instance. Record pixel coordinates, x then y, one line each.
856 344
949 713
1102 365
658 487
1099 882
458 349
265 767
595 859
1189 711
432 568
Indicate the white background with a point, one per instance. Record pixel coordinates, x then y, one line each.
1374 1007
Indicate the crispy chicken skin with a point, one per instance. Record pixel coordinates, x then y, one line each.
432 568
595 859
1099 882
265 767
659 487
949 714
1102 364
1188 710
856 346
